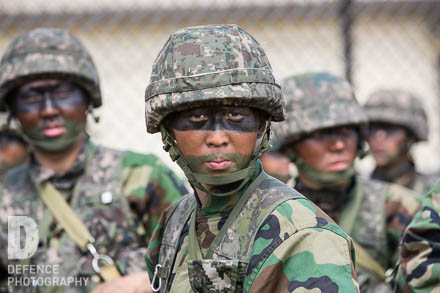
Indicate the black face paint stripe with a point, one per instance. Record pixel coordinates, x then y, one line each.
75 98
236 119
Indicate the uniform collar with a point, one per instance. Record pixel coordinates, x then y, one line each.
64 181
215 205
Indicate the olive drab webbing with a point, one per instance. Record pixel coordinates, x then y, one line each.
233 248
76 229
48 53
348 218
88 192
372 235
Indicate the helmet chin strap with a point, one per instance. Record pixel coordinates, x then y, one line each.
197 179
324 179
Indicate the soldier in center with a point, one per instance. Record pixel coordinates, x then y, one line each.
212 95
323 134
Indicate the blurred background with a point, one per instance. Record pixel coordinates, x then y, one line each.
389 43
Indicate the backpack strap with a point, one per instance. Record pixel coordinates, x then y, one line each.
264 200
174 223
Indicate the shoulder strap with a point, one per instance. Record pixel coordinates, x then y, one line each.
348 217
263 201
365 261
76 229
175 221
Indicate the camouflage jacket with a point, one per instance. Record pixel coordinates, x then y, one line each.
408 177
419 258
118 195
374 214
294 247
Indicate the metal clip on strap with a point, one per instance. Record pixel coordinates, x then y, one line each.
77 230
160 273
102 264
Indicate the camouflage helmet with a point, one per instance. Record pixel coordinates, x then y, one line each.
211 65
316 101
46 53
398 107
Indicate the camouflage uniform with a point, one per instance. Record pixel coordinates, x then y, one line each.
276 240
118 195
403 109
419 258
373 213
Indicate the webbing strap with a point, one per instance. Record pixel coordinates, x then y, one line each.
348 217
365 261
109 272
65 216
74 227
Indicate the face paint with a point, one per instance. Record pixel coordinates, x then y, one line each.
237 119
231 163
35 136
60 94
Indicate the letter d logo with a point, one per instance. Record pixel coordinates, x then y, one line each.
31 241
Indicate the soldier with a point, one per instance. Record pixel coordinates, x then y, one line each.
322 135
419 257
397 122
95 207
13 150
212 95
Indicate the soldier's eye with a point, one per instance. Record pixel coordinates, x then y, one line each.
32 98
235 116
61 94
198 117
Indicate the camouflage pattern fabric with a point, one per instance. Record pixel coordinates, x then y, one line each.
380 219
315 101
297 247
398 107
407 176
46 53
419 258
211 65
139 187
219 275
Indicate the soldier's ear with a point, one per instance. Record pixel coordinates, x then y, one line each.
168 127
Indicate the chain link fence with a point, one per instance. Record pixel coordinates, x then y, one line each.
389 43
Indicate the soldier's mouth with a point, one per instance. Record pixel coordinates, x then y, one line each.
54 130
218 163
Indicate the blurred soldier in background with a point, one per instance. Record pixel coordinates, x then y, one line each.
13 150
419 269
397 121
93 205
323 133
275 163
212 94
